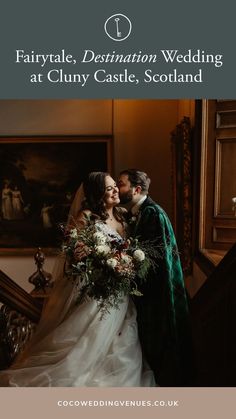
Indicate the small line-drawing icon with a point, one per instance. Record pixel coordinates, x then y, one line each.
118 27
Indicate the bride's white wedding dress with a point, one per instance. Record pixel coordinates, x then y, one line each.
73 347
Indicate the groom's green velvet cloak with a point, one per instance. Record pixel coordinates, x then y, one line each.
162 312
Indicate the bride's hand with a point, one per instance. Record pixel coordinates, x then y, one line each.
81 251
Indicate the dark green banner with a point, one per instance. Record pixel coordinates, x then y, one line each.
126 49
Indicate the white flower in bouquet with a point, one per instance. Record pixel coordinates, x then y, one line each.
102 249
99 238
74 233
125 259
112 262
79 264
139 255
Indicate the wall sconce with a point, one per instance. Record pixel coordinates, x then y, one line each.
234 205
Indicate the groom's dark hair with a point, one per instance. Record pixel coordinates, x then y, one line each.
138 178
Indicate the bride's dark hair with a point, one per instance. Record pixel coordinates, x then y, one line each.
94 191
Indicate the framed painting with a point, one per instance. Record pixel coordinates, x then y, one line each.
38 179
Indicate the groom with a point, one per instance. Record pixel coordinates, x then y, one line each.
162 311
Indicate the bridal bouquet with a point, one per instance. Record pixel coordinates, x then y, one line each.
109 269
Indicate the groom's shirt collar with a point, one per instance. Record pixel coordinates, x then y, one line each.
136 207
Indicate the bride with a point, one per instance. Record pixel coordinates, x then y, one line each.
73 346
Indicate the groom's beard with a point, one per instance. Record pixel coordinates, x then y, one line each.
126 198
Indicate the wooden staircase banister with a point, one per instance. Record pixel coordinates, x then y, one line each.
18 299
221 274
213 313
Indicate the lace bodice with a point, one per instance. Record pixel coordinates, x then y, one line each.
109 232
